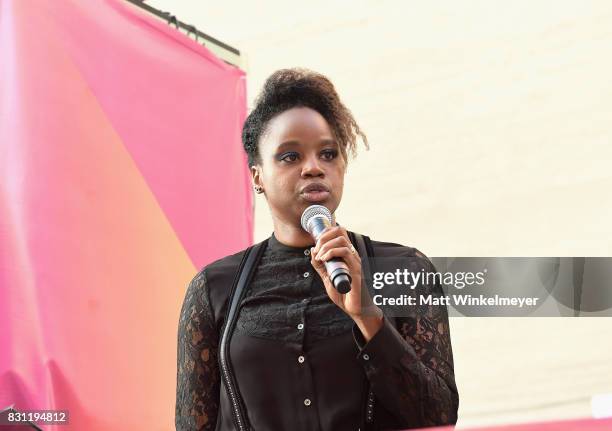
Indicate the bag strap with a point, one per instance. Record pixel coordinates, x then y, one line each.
366 251
243 276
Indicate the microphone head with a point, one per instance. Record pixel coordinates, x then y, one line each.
314 211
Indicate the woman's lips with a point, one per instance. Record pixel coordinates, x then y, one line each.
315 192
315 195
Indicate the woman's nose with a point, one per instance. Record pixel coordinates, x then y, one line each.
312 167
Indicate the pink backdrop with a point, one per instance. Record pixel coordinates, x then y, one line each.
121 174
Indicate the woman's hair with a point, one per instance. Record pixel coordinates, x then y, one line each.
290 88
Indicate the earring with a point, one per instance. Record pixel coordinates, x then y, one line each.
258 189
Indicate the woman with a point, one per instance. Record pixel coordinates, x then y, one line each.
302 356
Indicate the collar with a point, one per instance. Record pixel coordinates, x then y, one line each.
276 245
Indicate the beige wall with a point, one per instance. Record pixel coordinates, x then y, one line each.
489 123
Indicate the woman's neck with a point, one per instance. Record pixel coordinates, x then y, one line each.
292 235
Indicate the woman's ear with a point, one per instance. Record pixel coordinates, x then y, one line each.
257 179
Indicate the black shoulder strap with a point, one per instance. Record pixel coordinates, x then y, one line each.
241 280
365 250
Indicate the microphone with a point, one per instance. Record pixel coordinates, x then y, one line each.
314 220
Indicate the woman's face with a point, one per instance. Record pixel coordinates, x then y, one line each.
301 164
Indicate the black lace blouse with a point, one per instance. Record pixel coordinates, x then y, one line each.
295 353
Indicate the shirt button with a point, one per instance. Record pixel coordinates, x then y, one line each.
300 326
307 252
301 359
306 274
366 356
307 402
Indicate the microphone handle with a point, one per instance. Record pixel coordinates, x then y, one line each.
339 274
336 267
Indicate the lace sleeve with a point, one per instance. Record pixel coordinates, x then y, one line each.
198 379
410 365
428 333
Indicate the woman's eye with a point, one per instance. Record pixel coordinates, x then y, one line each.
330 154
289 157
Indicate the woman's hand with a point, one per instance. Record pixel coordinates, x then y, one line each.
335 242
